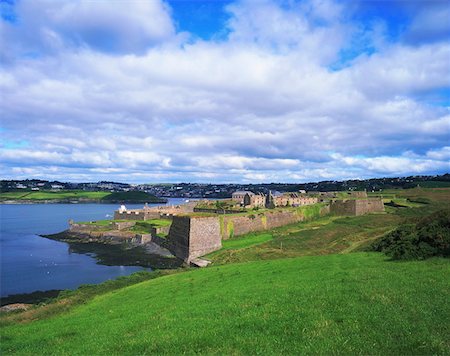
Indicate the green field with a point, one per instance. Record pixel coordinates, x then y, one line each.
321 236
48 195
306 288
347 304
79 195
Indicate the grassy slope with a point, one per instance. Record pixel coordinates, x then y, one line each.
78 194
322 236
355 303
346 303
47 195
333 235
131 196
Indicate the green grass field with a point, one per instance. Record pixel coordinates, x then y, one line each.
355 303
79 195
306 288
48 195
322 236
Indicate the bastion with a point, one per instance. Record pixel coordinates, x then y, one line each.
356 207
191 237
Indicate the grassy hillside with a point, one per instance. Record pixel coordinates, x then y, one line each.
141 197
298 290
80 195
322 236
47 195
355 303
333 234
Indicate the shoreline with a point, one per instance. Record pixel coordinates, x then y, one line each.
106 251
118 248
93 201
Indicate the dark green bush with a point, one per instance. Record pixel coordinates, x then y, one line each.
429 237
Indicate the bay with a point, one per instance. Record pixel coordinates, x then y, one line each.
29 262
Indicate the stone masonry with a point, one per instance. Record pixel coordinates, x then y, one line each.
355 207
191 237
241 225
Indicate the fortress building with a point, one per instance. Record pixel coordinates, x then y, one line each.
191 235
249 199
239 195
260 200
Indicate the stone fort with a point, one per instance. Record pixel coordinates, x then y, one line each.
194 235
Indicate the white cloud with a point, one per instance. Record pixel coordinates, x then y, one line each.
48 26
261 104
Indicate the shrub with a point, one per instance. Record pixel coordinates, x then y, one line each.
429 237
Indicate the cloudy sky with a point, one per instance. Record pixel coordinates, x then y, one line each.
224 91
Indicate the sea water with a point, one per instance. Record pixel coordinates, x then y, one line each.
29 262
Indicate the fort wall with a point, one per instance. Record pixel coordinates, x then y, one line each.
140 214
241 225
216 211
191 237
356 207
157 212
123 225
82 228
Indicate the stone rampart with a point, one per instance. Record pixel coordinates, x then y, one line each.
191 237
179 236
217 211
160 230
356 207
108 237
140 215
123 225
343 207
82 228
205 236
241 225
375 205
157 212
356 194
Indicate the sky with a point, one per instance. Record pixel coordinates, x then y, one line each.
148 91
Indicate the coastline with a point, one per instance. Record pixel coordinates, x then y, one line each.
113 248
82 201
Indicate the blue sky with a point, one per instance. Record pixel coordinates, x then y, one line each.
224 91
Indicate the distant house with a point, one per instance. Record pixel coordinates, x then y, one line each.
255 200
252 200
239 195
35 188
249 199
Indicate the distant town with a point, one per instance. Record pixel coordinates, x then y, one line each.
199 190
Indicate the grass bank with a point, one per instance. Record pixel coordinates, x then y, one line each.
353 303
284 299
80 196
327 235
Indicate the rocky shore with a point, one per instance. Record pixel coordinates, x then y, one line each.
114 248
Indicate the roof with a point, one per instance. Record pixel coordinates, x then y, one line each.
243 192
